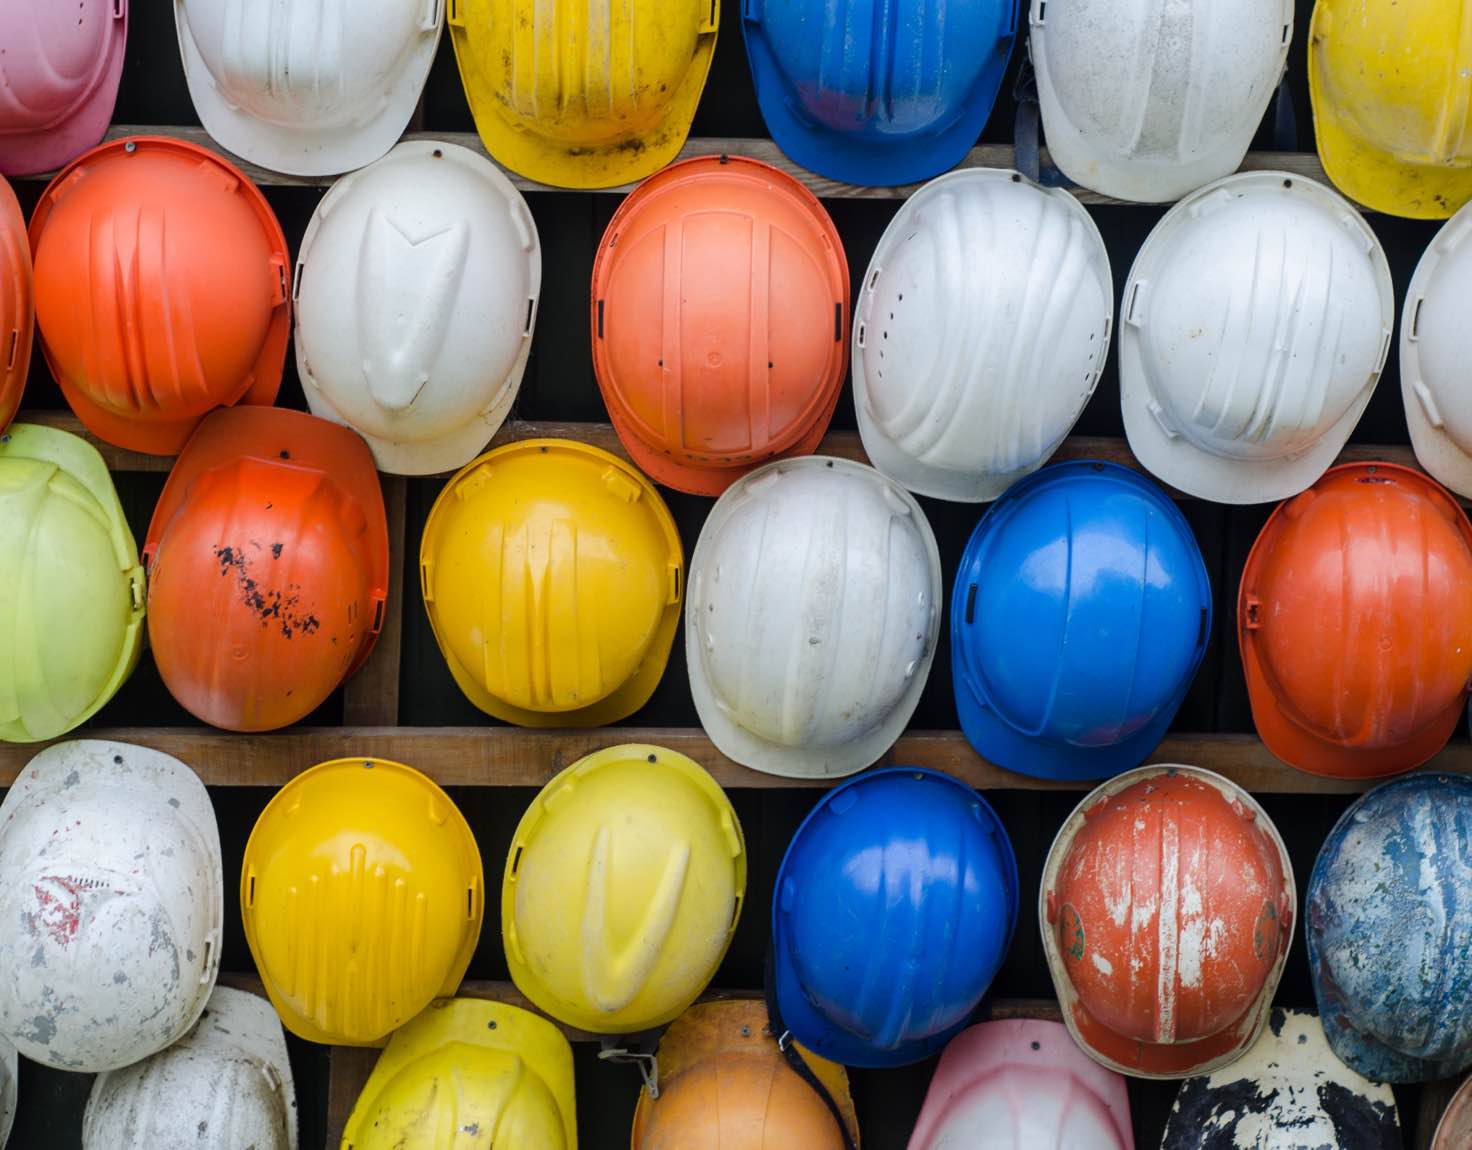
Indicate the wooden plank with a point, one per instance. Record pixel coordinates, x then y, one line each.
512 757
1304 164
371 697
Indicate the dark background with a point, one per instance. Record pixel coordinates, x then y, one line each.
559 385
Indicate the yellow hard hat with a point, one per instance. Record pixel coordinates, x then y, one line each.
497 1074
622 889
552 573
584 96
724 1085
362 895
1391 85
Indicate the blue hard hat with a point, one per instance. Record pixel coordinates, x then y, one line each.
893 910
877 92
1388 922
1079 616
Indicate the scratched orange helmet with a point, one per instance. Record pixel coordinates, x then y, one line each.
720 321
1355 622
267 560
161 290
1166 909
17 306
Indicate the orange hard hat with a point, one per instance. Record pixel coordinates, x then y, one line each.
1167 907
161 290
267 560
720 321
17 306
724 1085
1355 622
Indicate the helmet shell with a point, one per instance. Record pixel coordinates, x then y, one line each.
17 305
1079 616
894 908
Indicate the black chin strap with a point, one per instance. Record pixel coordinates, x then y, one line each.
795 1059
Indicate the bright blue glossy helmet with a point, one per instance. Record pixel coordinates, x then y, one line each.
877 92
893 910
1079 616
1388 924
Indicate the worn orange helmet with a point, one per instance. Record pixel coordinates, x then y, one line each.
161 290
720 321
1355 622
267 560
1166 909
17 307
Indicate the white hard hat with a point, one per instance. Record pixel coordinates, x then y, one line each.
982 329
1253 329
8 1071
112 896
812 617
1147 102
1435 351
227 1083
308 87
416 294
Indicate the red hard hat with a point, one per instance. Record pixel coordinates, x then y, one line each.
161 290
1355 622
267 560
1167 907
720 321
17 306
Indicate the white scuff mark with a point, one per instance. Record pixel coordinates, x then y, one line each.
1102 964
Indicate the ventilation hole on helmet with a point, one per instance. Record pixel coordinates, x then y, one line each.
600 319
14 343
516 861
209 945
711 17
1016 179
1415 321
970 603
873 278
1201 627
1037 1045
1287 183
531 310
863 333
117 9
454 12
438 153
470 902
250 891
830 463
491 1025
837 323
902 297
117 760
1251 614
724 159
130 147
1287 32
652 758
378 617
1043 11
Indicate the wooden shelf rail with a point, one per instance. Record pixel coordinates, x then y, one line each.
1303 164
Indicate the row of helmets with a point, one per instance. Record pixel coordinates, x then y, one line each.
1134 103
983 324
1166 908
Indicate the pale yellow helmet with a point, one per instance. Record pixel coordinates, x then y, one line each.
468 1073
622 890
1392 92
582 95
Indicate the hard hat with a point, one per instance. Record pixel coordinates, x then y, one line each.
71 589
113 894
268 567
1286 1093
1147 103
17 304
893 910
584 97
499 1075
1022 1085
813 617
1435 348
9 1069
160 290
59 79
720 321
362 895
227 1084
622 890
1454 1131
987 301
869 93
724 1085
1079 616
416 295
554 592
1389 950
1389 85
1166 909
307 87
1255 322
1344 676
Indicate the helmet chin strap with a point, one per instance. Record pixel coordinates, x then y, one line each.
778 1029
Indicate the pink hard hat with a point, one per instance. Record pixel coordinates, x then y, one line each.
58 79
1022 1085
